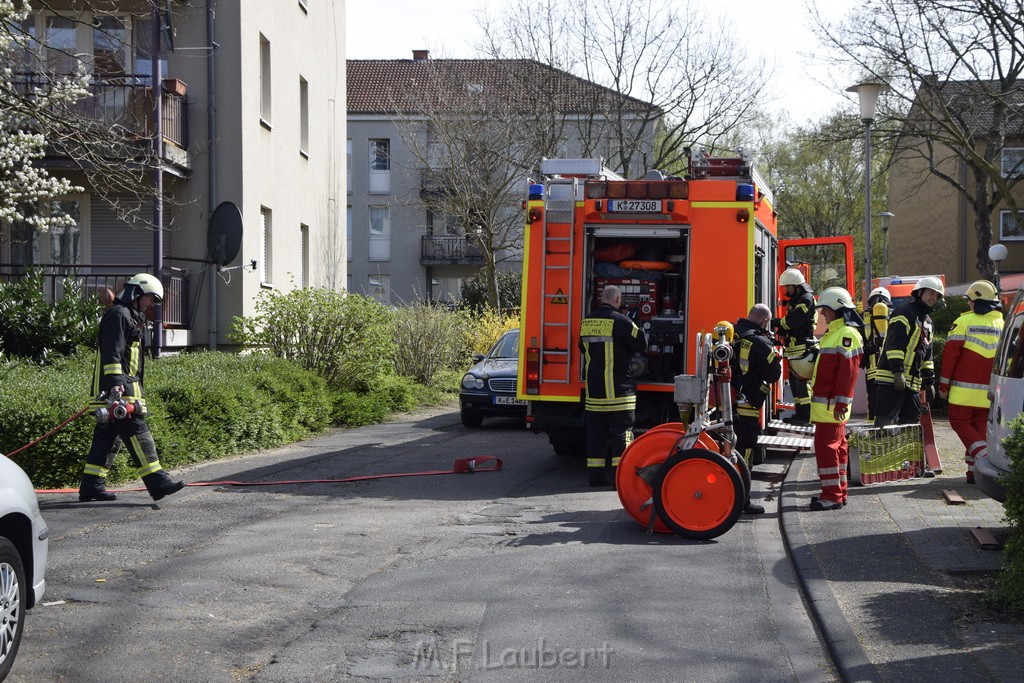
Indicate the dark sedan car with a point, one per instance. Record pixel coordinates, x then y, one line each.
489 387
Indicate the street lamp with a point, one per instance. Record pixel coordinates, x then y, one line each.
868 93
885 216
997 252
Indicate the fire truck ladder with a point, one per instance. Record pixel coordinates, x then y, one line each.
557 279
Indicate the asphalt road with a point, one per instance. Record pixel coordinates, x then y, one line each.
524 574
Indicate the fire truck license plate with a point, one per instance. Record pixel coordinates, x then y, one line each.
635 205
508 401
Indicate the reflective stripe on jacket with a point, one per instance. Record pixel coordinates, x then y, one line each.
119 359
835 372
967 358
608 340
798 324
756 365
907 347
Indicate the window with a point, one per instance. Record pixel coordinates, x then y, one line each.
65 246
447 289
142 39
380 233
264 80
304 260
26 37
380 166
61 45
109 46
303 116
348 168
348 233
1012 162
266 246
1009 227
380 288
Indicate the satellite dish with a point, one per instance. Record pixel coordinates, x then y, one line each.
224 233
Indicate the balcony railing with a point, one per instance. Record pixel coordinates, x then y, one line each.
106 280
124 100
450 250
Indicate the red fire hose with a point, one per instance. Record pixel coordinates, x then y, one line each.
467 465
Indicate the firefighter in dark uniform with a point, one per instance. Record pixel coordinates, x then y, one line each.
876 322
608 340
119 372
905 366
801 345
756 367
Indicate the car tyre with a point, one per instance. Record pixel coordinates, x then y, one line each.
13 603
471 419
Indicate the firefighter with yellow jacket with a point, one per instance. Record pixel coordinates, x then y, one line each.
967 368
832 385
608 340
801 346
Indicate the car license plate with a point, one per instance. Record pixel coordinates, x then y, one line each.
634 205
508 401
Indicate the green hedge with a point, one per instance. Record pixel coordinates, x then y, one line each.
202 406
1009 591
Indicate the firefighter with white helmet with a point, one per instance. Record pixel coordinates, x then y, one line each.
967 367
876 322
801 346
905 366
119 373
832 384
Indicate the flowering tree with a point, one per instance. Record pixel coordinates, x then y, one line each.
22 184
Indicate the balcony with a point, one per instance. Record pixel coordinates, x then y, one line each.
126 101
107 280
449 250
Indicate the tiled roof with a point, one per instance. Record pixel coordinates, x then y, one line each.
387 85
972 103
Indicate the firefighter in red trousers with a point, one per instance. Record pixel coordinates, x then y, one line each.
832 384
967 367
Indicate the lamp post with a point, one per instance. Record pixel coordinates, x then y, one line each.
997 252
867 93
885 216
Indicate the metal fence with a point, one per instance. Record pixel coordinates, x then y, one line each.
105 281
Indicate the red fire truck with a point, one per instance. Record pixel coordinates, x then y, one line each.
686 252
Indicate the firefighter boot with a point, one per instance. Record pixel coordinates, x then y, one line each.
802 417
94 488
160 484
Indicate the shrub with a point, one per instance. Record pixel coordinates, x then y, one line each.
486 328
474 291
1009 590
32 327
201 406
387 395
345 338
428 339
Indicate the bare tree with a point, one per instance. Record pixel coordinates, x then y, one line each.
692 74
954 68
474 143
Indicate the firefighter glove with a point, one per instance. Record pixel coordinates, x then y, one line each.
899 382
929 392
776 322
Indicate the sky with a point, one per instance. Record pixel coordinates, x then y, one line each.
775 29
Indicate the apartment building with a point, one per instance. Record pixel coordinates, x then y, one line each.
934 229
401 248
249 111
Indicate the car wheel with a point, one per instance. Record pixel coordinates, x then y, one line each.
471 419
12 604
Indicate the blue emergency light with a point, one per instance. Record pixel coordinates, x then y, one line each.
536 191
744 192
